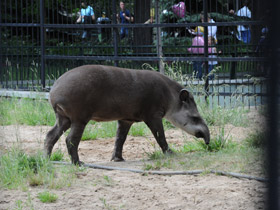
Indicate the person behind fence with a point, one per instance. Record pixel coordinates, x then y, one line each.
86 16
262 49
212 30
124 17
197 49
244 32
212 53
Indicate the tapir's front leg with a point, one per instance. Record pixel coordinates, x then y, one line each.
123 128
156 127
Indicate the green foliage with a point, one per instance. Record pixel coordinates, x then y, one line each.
47 197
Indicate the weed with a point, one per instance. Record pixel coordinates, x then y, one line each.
106 205
19 205
218 143
147 167
35 179
90 133
256 139
47 197
108 180
25 111
190 147
138 129
57 155
19 170
156 155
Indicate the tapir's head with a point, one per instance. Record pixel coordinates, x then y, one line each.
187 117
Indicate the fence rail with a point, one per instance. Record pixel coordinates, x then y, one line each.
40 40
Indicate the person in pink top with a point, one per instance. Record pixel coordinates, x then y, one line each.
212 53
197 49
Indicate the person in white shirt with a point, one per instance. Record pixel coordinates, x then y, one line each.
212 30
244 32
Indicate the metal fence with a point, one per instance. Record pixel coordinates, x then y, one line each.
40 40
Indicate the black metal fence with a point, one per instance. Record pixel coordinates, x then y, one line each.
40 40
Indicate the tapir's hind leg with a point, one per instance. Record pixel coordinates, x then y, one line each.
73 140
123 128
62 124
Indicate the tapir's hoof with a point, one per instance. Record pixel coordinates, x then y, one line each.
79 163
169 151
117 159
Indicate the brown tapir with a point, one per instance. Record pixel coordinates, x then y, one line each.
106 93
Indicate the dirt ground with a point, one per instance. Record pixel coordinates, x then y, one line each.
127 190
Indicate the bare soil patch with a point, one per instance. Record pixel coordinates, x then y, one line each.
126 190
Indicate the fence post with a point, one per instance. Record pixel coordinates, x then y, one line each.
273 154
1 54
42 35
159 41
115 31
205 17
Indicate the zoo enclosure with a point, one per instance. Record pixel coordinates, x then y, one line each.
40 40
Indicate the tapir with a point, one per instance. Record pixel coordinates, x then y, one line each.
107 93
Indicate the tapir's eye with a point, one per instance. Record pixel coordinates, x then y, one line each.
196 120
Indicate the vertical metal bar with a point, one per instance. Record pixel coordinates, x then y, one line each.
1 53
42 35
205 16
115 32
273 108
21 66
159 41
17 56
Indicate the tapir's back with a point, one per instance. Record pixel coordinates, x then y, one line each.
105 91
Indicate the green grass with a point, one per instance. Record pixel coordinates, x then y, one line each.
231 157
19 170
256 140
25 112
39 112
221 154
57 155
47 197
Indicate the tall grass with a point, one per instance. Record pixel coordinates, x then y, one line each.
19 170
25 111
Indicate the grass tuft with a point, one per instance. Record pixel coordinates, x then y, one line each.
57 156
256 140
19 171
47 197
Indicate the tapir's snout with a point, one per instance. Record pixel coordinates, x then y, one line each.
205 134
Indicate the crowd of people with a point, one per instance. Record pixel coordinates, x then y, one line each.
87 16
124 16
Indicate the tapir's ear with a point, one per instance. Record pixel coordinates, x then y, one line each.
184 95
